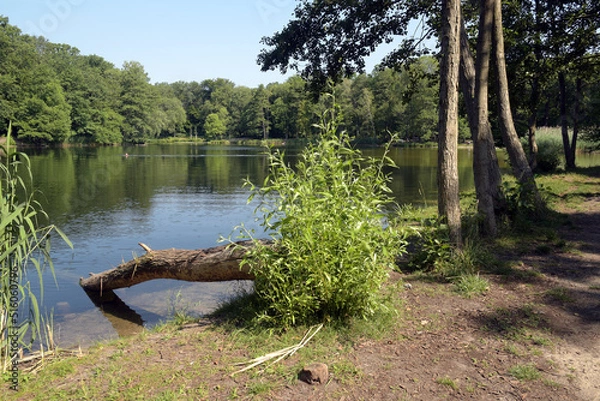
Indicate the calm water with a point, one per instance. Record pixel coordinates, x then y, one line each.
166 196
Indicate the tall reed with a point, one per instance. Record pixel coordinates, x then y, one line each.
24 249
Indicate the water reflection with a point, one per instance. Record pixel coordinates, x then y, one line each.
124 320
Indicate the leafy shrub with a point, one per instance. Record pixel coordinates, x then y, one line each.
432 245
521 205
434 254
549 156
333 248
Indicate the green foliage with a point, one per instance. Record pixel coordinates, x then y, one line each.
45 116
434 254
549 156
255 119
471 284
137 104
521 205
432 246
214 126
525 372
447 381
333 249
23 243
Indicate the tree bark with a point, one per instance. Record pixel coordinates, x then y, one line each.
569 145
562 87
576 113
534 99
532 123
221 263
481 136
516 154
448 189
486 170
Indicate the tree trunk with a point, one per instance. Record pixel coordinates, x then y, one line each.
564 124
221 263
485 161
532 123
516 154
570 146
534 99
570 160
448 189
481 137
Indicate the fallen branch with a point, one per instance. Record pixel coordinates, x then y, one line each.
282 353
220 263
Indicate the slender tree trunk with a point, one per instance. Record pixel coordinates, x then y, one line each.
516 154
564 123
481 136
489 190
576 113
532 123
534 99
448 189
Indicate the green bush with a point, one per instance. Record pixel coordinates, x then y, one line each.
549 156
432 246
333 248
434 254
521 205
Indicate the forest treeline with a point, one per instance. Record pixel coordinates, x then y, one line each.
53 94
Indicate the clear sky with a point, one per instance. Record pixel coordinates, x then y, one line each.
187 40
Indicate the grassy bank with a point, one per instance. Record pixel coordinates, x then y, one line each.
235 141
554 135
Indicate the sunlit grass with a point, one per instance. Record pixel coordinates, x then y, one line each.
447 381
470 285
555 134
526 372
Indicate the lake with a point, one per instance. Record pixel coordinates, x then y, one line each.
165 196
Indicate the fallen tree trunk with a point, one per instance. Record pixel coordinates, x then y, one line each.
220 263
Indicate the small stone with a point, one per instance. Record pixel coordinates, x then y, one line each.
408 286
315 373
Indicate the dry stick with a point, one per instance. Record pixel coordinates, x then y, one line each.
282 353
43 356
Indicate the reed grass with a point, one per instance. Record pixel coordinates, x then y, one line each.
24 249
554 134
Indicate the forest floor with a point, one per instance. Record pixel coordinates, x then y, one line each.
534 335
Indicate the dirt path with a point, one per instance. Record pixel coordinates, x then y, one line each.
580 274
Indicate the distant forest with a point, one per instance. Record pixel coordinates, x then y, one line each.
53 95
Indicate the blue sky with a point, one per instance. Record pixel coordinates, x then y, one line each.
174 40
